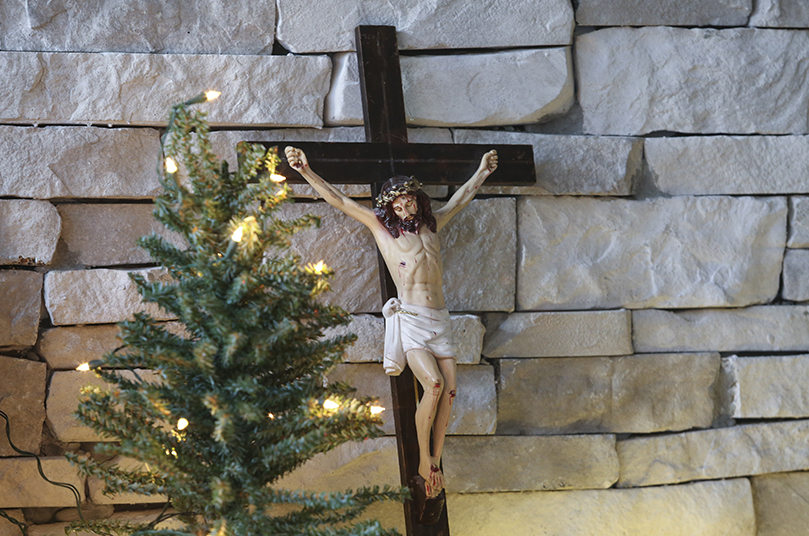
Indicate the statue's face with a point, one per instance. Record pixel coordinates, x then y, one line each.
405 206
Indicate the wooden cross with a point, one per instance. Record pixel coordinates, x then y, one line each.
387 153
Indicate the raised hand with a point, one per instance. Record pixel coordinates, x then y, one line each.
296 158
489 162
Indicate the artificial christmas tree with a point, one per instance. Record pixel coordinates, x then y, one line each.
238 398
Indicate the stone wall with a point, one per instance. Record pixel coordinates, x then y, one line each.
634 328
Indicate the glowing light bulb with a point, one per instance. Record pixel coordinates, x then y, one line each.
271 416
212 95
277 178
376 410
182 424
84 367
171 165
237 234
319 267
330 404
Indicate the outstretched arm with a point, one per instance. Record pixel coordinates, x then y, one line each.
467 192
297 161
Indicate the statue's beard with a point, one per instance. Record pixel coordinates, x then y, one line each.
411 225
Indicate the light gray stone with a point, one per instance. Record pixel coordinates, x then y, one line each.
467 330
796 275
99 296
106 235
780 502
77 88
569 165
709 454
21 486
637 81
474 411
501 88
663 13
723 508
486 464
30 231
22 398
580 253
21 296
196 27
632 394
798 222
780 14
78 162
771 386
444 24
754 329
573 334
96 487
733 165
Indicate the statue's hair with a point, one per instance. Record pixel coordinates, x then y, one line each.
388 218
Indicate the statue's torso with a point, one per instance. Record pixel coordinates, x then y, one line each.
414 261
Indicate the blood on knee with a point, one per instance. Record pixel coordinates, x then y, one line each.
452 396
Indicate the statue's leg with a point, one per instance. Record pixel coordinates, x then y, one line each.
447 369
426 371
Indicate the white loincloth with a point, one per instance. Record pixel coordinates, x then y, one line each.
414 327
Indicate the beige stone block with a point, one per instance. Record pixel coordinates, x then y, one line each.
7 528
135 516
634 81
632 394
722 508
783 328
710 454
68 88
796 275
106 235
521 463
21 296
68 347
587 333
568 165
474 411
798 222
78 162
663 13
780 14
99 296
30 231
680 252
442 24
780 502
22 398
22 486
539 82
771 386
95 487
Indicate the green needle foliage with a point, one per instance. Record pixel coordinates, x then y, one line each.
246 371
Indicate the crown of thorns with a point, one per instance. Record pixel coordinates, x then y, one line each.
408 187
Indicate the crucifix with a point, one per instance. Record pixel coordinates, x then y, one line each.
386 153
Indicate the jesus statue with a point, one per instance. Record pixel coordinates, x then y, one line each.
417 325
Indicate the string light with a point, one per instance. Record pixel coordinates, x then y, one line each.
271 416
171 165
84 367
275 177
376 410
212 95
238 234
330 404
182 424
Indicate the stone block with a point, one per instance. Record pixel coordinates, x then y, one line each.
370 346
501 463
723 508
22 486
539 83
733 165
22 398
798 222
106 235
442 24
780 14
68 347
754 329
21 296
752 449
98 296
771 387
569 165
637 81
78 162
632 394
663 13
473 413
30 231
96 487
196 27
7 528
796 275
680 252
69 88
780 502
573 334
134 517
